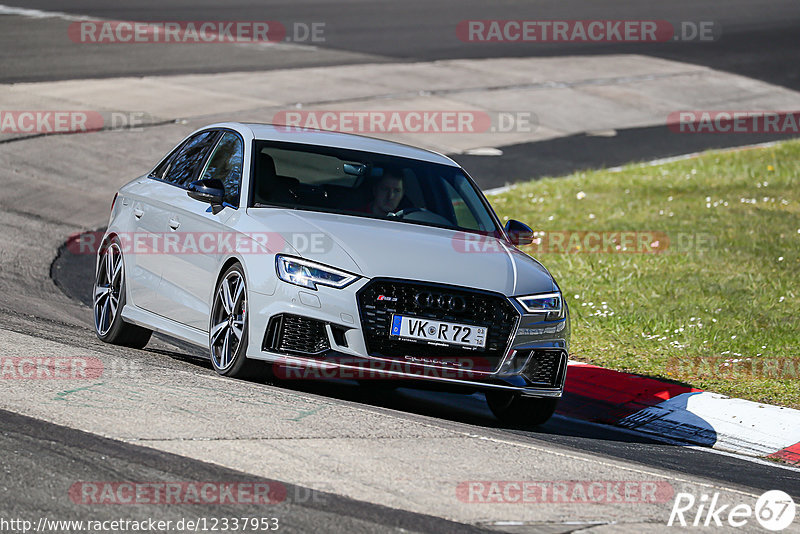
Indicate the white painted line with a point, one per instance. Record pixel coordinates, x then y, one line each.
38 14
499 190
483 151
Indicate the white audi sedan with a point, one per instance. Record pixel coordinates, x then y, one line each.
328 255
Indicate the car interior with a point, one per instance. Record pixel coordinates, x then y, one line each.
342 192
340 181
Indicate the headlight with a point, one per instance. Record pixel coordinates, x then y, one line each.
308 274
549 303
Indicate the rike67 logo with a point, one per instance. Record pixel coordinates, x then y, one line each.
774 510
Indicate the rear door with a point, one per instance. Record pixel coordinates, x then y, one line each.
166 188
142 245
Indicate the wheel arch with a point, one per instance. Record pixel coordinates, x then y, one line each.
101 246
227 264
104 243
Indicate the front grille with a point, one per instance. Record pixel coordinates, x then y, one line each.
381 298
296 334
544 367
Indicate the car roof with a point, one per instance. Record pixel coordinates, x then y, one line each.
270 132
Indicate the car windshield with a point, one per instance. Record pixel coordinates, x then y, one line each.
336 180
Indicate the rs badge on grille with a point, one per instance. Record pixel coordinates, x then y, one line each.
440 301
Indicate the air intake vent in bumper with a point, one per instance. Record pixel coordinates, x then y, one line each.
545 367
294 334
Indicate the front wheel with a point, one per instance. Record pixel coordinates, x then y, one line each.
109 299
228 329
518 411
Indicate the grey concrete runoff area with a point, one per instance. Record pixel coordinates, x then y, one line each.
349 460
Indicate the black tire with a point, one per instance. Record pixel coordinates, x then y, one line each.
109 300
226 360
521 412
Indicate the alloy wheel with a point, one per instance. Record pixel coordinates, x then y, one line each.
107 289
228 320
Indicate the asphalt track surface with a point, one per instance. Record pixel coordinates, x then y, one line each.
750 38
48 459
757 40
73 274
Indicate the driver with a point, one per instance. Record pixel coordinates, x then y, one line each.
386 193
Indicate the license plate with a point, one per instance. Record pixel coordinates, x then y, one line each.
438 332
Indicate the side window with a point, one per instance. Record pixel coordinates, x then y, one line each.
182 168
225 164
466 204
162 168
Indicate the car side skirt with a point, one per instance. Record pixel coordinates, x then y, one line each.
162 325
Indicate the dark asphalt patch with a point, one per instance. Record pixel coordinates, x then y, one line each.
49 459
564 155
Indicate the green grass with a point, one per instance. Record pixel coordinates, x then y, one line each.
685 312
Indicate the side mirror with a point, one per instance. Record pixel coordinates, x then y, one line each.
210 190
519 233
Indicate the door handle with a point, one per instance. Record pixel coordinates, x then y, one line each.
174 224
138 212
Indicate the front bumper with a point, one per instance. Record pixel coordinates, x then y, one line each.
530 357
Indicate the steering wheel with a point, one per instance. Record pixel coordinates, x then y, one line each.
402 213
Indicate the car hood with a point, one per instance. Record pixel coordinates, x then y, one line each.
378 248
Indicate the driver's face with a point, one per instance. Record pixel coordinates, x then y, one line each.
387 194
